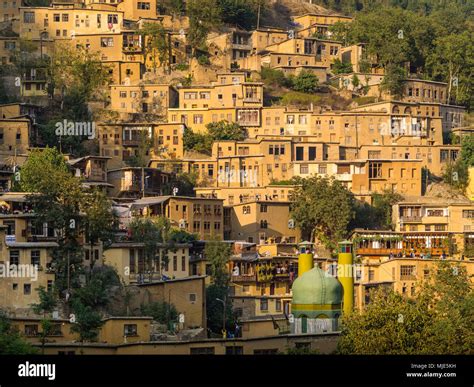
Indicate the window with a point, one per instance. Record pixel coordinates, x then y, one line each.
196 226
192 297
143 5
263 305
312 153
246 210
270 351
31 330
65 17
299 153
112 19
468 213
407 272
322 169
440 227
202 351
131 260
304 170
106 42
27 289
375 170
35 257
130 330
374 154
14 257
263 208
198 119
278 305
234 350
29 17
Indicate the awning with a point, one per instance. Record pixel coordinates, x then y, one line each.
14 197
145 202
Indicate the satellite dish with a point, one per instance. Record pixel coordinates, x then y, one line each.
291 223
181 318
182 224
175 191
291 318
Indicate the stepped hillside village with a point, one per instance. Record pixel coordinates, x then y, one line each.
236 177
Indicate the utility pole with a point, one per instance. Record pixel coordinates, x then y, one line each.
258 15
224 334
143 182
170 53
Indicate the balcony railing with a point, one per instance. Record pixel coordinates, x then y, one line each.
411 219
244 278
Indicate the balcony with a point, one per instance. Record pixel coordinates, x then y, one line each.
411 219
244 278
132 49
242 46
374 251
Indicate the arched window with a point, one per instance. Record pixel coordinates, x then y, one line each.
395 110
407 110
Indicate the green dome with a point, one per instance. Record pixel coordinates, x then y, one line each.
316 287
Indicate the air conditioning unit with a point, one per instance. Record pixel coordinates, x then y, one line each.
182 224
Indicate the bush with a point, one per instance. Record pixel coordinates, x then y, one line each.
297 98
182 67
339 67
274 77
306 82
203 60
160 311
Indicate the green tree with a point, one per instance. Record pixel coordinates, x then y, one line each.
11 343
393 80
87 321
141 158
98 221
323 209
162 312
274 77
383 204
452 61
76 72
157 44
306 82
241 12
151 232
204 16
42 168
339 67
215 309
437 321
46 306
217 253
199 142
225 131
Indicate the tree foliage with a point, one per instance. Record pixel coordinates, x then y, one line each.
437 321
157 44
218 253
59 199
204 16
323 209
306 82
216 131
225 131
161 311
340 67
11 343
